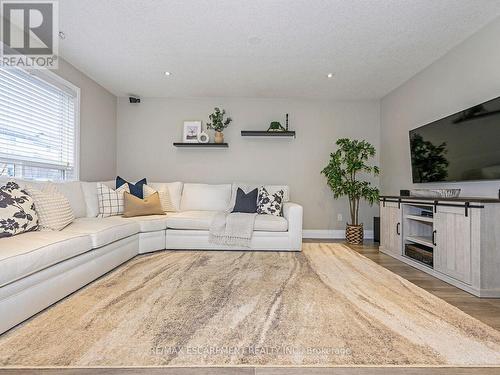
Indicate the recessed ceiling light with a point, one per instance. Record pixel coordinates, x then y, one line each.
168 74
62 35
330 75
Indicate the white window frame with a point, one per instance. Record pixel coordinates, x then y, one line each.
55 80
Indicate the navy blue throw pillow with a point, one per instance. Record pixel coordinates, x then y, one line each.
246 203
135 189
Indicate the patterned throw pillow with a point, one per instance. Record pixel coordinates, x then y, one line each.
110 201
17 211
53 209
270 204
166 202
135 189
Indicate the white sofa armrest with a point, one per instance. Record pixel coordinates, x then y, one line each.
293 212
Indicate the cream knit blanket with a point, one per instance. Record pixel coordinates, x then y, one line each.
233 229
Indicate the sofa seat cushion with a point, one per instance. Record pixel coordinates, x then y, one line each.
104 231
150 223
201 220
31 252
195 220
270 223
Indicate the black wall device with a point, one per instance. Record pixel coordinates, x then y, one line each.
404 193
134 100
376 229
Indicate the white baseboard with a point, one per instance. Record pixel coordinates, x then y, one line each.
331 234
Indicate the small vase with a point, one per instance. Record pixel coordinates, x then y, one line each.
219 137
354 234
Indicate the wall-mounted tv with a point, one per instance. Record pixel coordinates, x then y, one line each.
461 147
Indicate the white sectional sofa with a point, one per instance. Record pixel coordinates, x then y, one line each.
42 267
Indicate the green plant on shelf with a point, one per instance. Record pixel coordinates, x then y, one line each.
218 123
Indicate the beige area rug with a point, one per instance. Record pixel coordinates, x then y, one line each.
325 306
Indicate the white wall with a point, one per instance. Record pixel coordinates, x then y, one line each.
146 133
468 75
97 125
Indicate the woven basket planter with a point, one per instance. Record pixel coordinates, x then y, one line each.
354 234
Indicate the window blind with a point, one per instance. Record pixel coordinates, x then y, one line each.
37 127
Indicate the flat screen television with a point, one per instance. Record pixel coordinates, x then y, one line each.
461 147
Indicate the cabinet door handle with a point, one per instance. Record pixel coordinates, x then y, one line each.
434 238
397 229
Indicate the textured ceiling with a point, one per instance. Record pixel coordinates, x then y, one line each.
263 48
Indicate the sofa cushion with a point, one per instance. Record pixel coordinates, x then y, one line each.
53 209
103 231
134 206
73 192
91 201
152 223
135 189
110 201
164 195
30 252
174 189
191 220
206 197
246 202
17 210
270 204
270 223
201 220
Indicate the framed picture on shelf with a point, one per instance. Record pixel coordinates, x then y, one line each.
191 131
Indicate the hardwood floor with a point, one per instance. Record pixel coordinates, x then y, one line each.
485 310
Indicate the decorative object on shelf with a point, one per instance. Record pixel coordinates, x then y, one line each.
218 124
219 137
275 127
435 193
341 173
404 193
203 137
191 131
286 127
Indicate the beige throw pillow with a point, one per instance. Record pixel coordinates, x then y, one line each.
166 201
53 209
134 206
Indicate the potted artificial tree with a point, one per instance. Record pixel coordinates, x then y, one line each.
218 124
342 174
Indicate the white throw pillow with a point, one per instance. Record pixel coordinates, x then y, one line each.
206 197
174 189
110 201
166 202
53 209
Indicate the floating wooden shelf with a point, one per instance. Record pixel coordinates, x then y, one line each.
265 133
205 145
